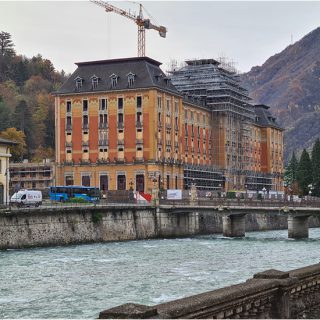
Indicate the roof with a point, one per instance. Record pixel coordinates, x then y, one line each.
146 72
8 142
264 118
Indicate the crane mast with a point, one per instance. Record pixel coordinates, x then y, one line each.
142 23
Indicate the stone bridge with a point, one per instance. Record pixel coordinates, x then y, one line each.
271 294
233 215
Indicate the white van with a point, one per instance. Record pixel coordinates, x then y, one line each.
27 198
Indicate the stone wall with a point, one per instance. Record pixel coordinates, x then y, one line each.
271 294
49 227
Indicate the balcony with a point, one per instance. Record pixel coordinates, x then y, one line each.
168 126
139 141
68 144
168 143
139 159
103 142
103 125
139 124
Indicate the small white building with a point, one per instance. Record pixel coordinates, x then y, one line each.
4 169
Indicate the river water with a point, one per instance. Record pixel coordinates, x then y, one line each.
80 281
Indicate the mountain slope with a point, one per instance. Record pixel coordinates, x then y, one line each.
290 83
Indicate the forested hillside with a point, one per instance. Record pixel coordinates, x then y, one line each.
290 83
26 102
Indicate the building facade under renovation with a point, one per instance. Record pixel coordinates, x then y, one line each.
240 131
123 124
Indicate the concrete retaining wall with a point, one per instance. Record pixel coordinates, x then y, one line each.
45 227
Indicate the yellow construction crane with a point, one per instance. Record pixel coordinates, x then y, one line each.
142 23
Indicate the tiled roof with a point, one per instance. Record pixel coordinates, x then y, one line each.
5 141
264 117
146 71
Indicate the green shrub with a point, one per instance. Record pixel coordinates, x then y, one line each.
96 217
78 200
231 195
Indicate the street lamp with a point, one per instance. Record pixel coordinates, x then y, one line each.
264 192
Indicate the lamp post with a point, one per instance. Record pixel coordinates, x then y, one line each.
310 187
131 196
155 195
264 192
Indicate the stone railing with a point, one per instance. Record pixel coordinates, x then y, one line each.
271 294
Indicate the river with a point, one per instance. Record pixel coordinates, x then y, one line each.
80 281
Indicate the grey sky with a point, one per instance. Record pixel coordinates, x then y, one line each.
246 32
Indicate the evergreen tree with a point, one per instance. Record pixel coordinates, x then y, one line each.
6 55
290 175
315 157
4 116
304 173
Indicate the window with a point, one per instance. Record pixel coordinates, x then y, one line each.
139 117
139 102
102 104
85 181
120 117
168 105
68 123
140 182
130 79
120 103
121 182
69 180
159 103
114 80
68 106
103 182
78 82
176 107
85 105
85 122
0 166
168 181
94 82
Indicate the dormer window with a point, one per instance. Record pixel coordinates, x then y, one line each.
158 77
114 80
94 82
131 77
79 82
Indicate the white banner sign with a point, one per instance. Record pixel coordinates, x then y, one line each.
174 194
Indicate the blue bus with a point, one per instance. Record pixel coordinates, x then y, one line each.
65 193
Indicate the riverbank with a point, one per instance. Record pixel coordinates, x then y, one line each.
49 227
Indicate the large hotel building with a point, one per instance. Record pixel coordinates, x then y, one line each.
123 123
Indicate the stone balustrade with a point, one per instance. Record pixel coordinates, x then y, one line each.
271 294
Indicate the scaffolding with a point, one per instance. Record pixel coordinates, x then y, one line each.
217 84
